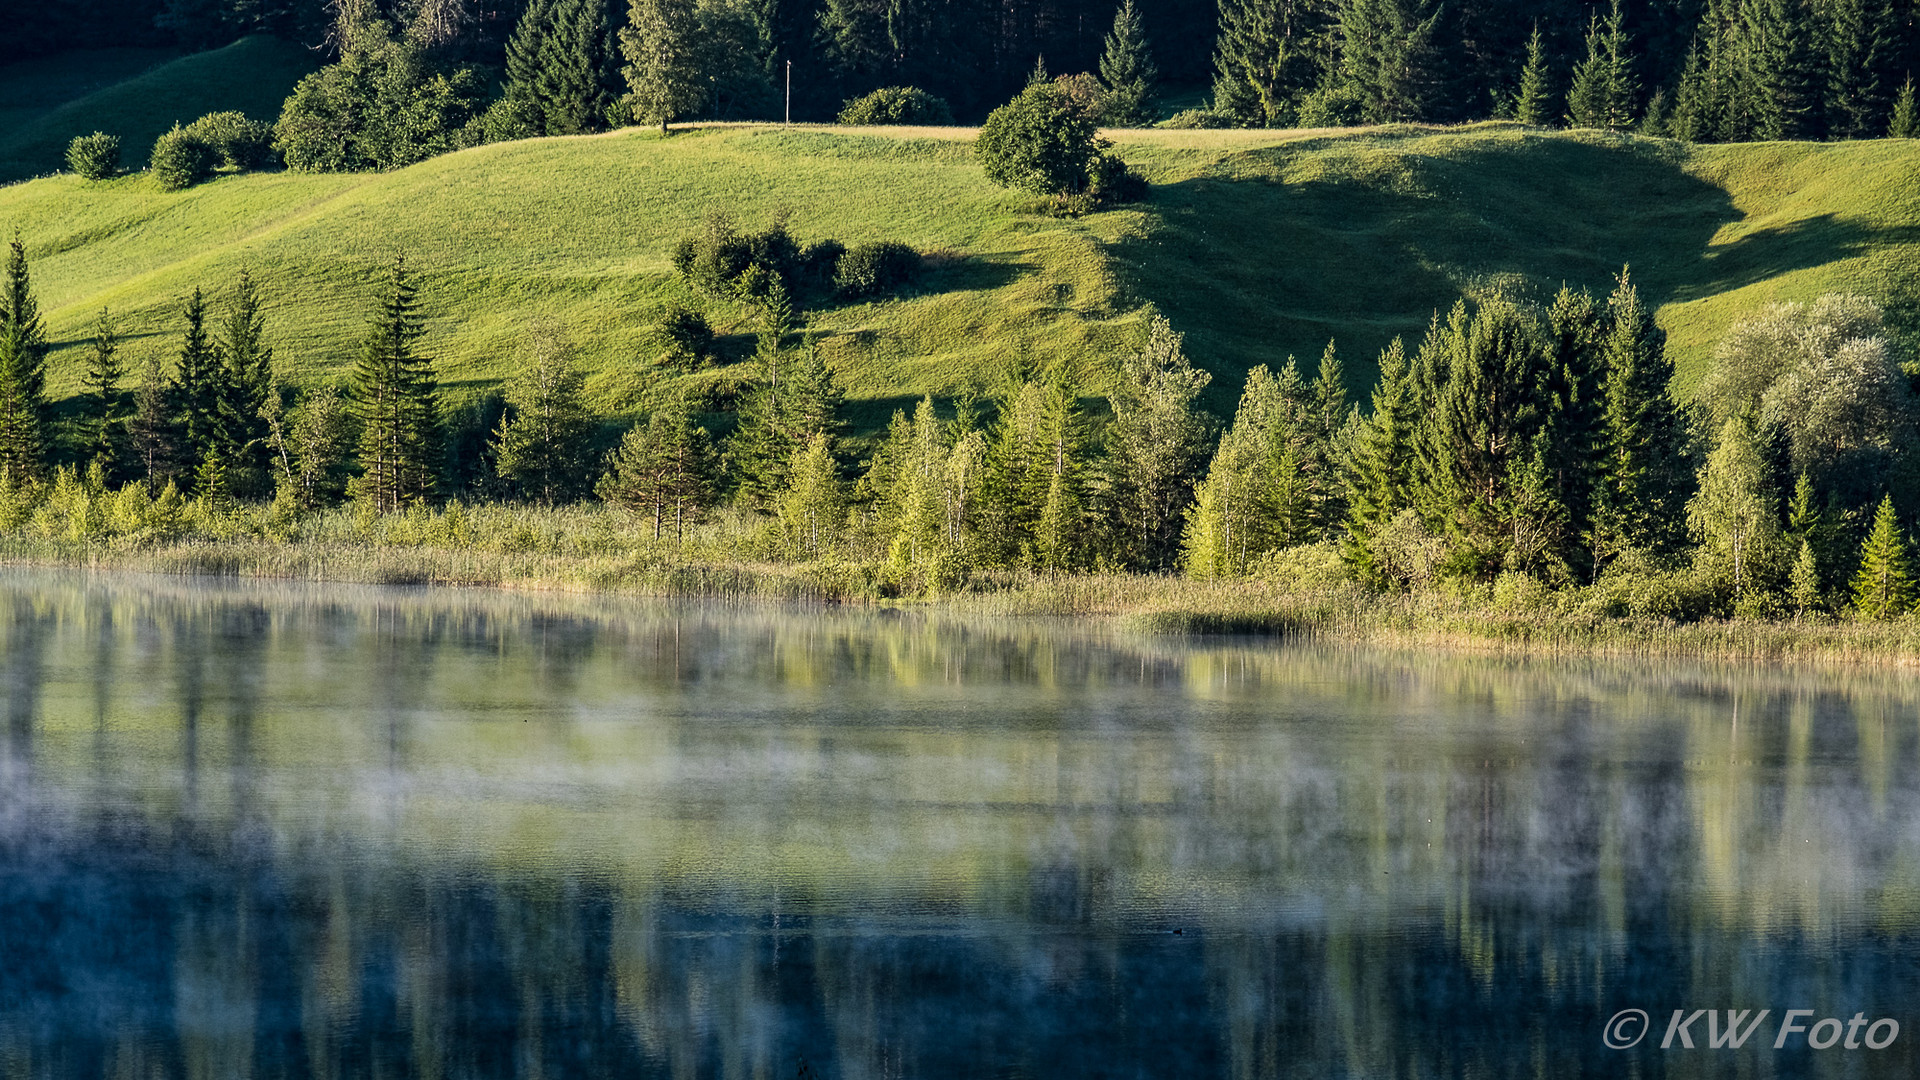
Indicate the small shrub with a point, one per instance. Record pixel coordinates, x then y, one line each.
1192 119
95 156
1111 181
1040 142
180 159
897 105
1331 106
820 264
238 142
870 269
685 336
724 262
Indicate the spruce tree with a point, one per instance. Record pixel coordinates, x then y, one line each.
542 438
1533 105
575 79
1858 39
1390 58
1258 61
1803 582
1905 123
1781 69
1059 529
1127 69
395 398
1640 478
1381 481
1571 425
23 373
519 94
791 402
245 386
102 423
1228 524
663 67
1883 588
1603 89
202 395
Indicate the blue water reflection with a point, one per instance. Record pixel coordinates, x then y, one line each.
254 830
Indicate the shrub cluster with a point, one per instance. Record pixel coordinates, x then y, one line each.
181 159
685 337
95 156
723 261
1045 142
897 105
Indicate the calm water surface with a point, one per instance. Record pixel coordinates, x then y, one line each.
249 830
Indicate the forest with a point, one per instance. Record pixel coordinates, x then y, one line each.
467 71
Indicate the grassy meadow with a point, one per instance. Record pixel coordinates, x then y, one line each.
136 94
1257 244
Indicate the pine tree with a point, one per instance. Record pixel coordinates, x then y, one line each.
518 94
1325 493
664 469
1380 484
1059 529
663 68
1639 487
1157 446
792 402
1884 586
1603 84
153 429
245 386
1858 40
1533 105
23 373
812 510
395 398
102 420
1127 69
1258 61
542 437
201 393
575 79
1483 418
1700 100
1571 426
1905 123
1229 523
1390 58
1781 76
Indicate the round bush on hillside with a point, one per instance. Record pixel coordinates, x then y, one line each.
95 156
180 159
897 105
870 269
1041 142
238 142
1188 119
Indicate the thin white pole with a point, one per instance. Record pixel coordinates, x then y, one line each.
789 92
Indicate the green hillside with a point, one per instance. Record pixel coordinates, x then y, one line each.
1257 244
135 94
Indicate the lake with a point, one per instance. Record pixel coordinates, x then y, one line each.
259 830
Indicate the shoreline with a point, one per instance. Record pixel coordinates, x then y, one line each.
1138 603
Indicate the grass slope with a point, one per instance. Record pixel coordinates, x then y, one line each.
135 94
1257 244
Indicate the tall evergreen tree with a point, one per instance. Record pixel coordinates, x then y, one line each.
102 422
792 401
663 64
1573 414
577 76
1260 61
1533 104
1127 69
1883 588
1858 43
1391 58
1227 525
202 397
1782 69
1603 90
1059 530
395 397
245 386
23 374
1380 483
1641 477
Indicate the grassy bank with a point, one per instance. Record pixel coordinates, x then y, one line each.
595 549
